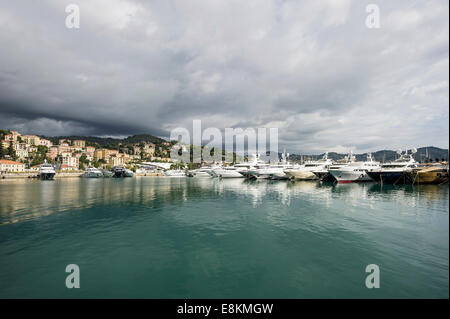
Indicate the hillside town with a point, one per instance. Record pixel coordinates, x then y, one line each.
20 153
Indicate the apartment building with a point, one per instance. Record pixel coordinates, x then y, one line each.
11 166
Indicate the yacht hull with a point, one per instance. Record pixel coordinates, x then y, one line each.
92 175
279 176
47 176
325 176
343 176
437 176
398 177
301 175
228 174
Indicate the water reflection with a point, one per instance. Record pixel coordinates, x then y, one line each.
25 199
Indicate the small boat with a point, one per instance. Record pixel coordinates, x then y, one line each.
120 171
429 174
92 172
395 172
47 172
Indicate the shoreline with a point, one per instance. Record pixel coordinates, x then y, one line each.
62 175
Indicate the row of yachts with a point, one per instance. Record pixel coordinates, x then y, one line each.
47 172
400 171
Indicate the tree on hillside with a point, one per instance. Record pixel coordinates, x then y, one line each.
11 151
83 162
1 150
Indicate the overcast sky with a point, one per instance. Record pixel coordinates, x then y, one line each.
311 68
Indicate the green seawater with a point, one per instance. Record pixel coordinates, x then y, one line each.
159 237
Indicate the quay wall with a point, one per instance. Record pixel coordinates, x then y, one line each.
35 175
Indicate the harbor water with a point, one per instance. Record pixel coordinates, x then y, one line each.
162 237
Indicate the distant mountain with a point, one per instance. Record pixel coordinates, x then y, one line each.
385 155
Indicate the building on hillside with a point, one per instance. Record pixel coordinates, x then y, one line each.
63 149
148 149
46 143
76 149
52 152
35 168
32 149
116 160
21 154
14 136
63 141
31 139
90 149
79 143
65 167
20 146
104 154
11 166
70 161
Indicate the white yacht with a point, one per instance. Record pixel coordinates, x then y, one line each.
395 172
250 169
305 171
174 173
200 172
204 171
239 170
355 171
227 172
324 173
92 172
273 171
46 172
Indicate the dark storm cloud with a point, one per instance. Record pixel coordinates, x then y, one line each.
310 68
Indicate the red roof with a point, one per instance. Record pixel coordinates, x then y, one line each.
3 161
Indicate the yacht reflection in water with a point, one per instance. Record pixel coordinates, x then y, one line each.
25 199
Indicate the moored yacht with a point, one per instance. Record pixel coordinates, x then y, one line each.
174 173
324 174
395 172
355 171
305 171
120 171
92 172
227 172
429 174
46 172
200 172
107 173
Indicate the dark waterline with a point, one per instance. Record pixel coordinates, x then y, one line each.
203 238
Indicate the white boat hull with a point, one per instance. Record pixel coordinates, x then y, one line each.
349 176
223 173
298 174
